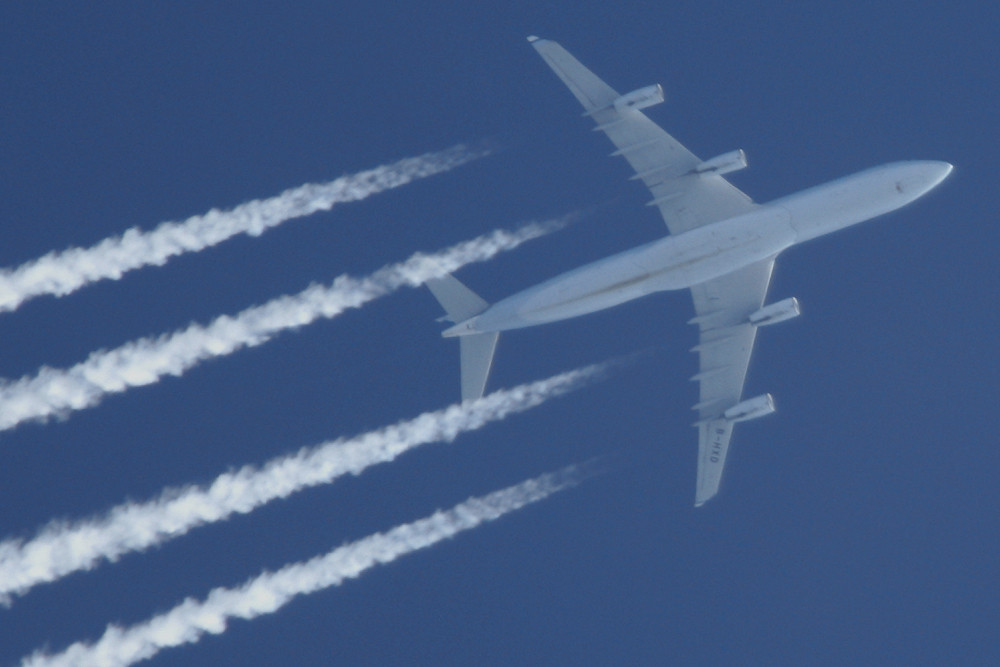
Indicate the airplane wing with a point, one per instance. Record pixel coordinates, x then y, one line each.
688 195
685 197
726 338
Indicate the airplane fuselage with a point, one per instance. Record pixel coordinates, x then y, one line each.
707 252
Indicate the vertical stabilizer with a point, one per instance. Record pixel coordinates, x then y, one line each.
460 303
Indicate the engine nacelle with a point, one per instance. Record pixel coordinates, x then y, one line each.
758 406
783 310
723 164
640 99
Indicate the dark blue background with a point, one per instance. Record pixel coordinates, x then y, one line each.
858 526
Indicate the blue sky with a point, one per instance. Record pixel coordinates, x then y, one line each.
858 525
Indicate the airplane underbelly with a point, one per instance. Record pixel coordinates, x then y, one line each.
672 263
718 249
581 292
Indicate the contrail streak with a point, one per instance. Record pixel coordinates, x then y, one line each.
191 619
62 548
61 273
147 360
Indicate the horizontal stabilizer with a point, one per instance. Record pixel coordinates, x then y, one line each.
477 358
458 301
476 350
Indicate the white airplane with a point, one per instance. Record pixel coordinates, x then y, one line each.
721 246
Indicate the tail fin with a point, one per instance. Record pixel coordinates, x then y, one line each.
476 350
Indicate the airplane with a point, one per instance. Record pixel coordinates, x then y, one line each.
722 246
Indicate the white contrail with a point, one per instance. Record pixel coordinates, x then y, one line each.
61 273
62 547
191 619
146 360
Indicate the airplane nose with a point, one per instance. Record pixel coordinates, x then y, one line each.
923 176
939 171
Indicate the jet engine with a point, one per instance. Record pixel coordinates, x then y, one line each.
783 310
758 406
723 164
640 99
